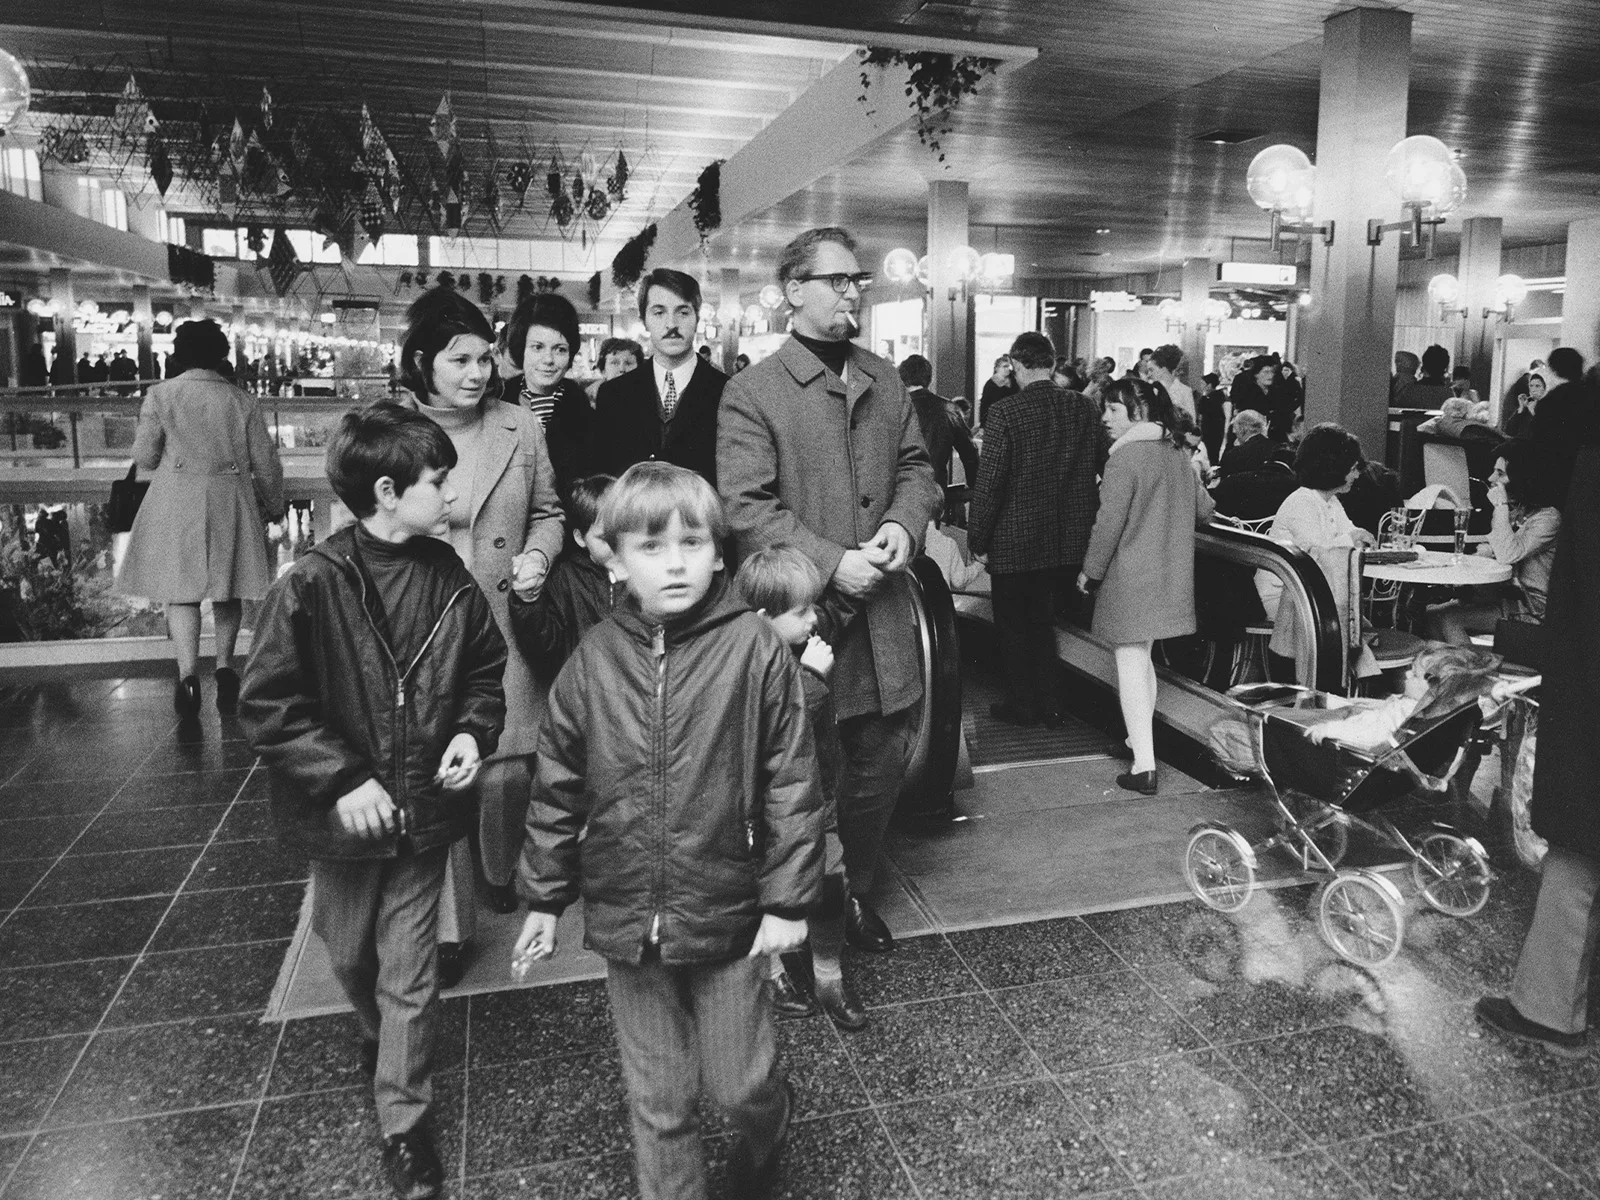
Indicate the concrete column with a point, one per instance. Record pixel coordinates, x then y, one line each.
1480 267
148 220
949 308
59 186
728 318
1349 332
61 295
1580 307
237 318
144 319
1198 274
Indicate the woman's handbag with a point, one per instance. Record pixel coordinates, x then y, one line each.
126 496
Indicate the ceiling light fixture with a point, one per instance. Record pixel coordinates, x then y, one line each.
1282 181
15 92
1430 184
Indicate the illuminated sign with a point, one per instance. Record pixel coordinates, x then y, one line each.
1271 274
1114 302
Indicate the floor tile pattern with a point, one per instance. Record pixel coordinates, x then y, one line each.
1158 1052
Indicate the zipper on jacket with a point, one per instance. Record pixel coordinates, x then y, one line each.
658 651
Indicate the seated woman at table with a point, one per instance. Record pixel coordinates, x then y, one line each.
1522 535
1313 520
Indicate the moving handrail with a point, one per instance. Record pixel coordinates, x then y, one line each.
928 790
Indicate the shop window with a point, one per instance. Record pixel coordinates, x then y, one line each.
220 243
19 174
177 234
390 250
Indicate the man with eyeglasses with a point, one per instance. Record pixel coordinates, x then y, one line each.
818 447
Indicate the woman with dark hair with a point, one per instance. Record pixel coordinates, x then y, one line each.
200 533
1522 534
1312 519
1252 386
1140 561
506 525
542 340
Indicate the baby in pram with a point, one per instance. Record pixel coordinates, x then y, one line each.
1442 678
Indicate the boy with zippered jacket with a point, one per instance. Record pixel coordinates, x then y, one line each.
373 693
676 792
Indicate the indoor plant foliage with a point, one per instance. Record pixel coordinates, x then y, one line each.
706 200
628 265
937 84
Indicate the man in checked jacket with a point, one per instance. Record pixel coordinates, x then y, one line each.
1032 511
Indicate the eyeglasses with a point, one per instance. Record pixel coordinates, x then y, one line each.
840 283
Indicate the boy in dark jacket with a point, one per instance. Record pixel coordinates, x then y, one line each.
676 792
578 594
783 585
373 693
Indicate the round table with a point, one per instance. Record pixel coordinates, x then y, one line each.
1440 570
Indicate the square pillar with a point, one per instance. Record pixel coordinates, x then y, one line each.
1480 267
1198 274
949 305
728 318
1580 307
1349 332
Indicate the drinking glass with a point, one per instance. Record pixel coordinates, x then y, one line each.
1462 515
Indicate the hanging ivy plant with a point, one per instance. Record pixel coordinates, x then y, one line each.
937 84
706 200
628 265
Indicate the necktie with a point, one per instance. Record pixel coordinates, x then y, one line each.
669 402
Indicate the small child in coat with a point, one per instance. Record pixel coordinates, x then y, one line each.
676 792
373 694
783 585
578 595
1441 679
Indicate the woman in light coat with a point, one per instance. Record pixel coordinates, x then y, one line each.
506 525
200 532
1140 562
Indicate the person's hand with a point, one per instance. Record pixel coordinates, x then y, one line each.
817 655
777 936
1085 584
1364 539
528 570
460 764
1497 494
855 575
368 812
537 939
1317 734
890 548
1522 401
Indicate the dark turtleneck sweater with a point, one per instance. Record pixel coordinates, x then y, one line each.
831 354
394 568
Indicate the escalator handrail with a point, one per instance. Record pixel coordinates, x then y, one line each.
936 745
1322 655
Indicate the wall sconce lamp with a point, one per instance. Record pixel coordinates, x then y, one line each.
1172 313
1509 291
1430 184
1282 181
1217 311
1445 291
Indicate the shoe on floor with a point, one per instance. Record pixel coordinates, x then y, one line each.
788 1000
1500 1014
452 963
1010 714
186 697
841 1005
1052 719
412 1165
864 929
1143 782
227 690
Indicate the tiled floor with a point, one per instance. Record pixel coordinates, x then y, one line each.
1163 1052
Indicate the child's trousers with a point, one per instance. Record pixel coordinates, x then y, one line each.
681 1028
379 920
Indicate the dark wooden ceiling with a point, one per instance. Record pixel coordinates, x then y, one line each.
1099 132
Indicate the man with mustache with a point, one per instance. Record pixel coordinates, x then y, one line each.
666 408
818 447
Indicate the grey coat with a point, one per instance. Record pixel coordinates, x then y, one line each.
807 460
199 533
1142 548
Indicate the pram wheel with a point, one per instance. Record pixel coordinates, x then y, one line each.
1219 867
1317 823
1362 918
1452 874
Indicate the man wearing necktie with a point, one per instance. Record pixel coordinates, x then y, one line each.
666 408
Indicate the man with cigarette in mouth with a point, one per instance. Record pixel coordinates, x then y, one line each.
818 447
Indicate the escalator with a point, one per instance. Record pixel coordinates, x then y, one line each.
1191 685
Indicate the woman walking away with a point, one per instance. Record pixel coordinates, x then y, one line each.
200 533
1140 564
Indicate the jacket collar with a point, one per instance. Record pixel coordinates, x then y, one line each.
1139 431
805 366
717 607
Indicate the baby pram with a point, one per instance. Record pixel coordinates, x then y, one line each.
1320 792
